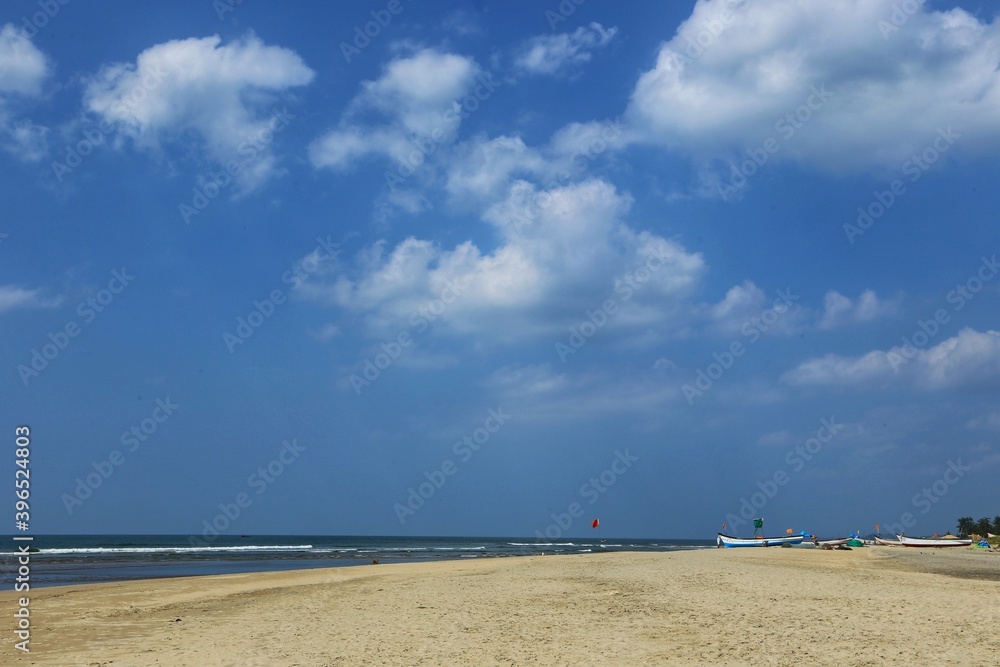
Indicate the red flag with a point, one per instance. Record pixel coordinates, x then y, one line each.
723 526
596 523
788 530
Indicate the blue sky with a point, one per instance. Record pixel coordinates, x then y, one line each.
498 268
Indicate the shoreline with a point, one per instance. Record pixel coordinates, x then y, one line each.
69 560
735 606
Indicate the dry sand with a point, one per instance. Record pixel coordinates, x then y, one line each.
871 606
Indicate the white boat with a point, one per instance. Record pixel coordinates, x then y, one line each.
882 542
933 541
809 541
730 542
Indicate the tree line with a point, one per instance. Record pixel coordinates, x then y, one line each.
969 526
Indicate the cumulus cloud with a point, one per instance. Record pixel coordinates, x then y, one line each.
481 170
840 311
747 307
734 70
417 97
971 359
557 54
23 71
553 261
225 94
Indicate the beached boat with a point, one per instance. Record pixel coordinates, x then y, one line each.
933 541
882 542
729 541
822 544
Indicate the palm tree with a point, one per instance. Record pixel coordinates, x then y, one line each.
966 525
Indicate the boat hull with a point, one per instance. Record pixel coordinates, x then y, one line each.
822 544
882 542
731 542
932 542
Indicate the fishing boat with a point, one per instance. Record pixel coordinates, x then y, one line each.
730 542
933 541
823 544
882 542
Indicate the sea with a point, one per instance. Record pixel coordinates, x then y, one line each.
62 560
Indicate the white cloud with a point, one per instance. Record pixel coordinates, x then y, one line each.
325 332
226 94
890 94
840 311
23 68
986 422
529 381
556 54
539 392
842 371
12 296
740 304
971 359
24 139
482 170
747 307
417 96
552 263
664 364
23 71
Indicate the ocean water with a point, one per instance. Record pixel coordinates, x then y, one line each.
78 559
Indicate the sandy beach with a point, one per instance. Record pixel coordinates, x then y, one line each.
870 606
